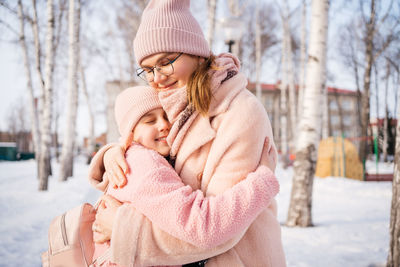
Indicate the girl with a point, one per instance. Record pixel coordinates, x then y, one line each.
189 216
216 139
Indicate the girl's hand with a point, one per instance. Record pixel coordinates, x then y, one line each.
115 166
268 156
106 213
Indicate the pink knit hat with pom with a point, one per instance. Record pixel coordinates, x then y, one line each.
168 26
131 104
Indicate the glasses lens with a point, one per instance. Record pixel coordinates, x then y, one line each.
165 69
145 74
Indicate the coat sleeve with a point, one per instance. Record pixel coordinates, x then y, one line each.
96 168
196 224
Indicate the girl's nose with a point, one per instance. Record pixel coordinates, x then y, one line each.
164 125
158 76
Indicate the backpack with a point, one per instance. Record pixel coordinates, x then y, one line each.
71 239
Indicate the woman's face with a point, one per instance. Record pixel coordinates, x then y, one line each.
183 67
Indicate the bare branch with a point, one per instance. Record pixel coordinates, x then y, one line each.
8 26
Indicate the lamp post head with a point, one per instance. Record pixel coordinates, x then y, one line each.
233 29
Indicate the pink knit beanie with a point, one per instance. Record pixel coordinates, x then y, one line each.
131 104
168 26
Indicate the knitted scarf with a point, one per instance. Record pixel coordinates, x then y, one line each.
182 115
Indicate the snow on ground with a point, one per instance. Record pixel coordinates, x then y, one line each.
351 217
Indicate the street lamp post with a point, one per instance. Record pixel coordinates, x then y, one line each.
233 29
230 43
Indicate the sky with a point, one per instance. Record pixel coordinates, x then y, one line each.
13 81
351 218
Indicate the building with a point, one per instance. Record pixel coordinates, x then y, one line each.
343 115
343 110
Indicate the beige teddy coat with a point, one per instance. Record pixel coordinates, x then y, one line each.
215 153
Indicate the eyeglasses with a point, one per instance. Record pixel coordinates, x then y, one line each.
163 66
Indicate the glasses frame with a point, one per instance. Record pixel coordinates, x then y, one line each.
141 71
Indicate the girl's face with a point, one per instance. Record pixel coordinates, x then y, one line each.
183 67
151 131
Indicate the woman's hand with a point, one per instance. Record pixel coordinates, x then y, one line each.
103 225
268 155
115 166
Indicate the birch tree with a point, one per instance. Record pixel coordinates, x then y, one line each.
212 8
393 259
300 207
92 141
67 153
385 144
44 161
128 20
284 110
289 68
29 85
258 50
302 58
376 42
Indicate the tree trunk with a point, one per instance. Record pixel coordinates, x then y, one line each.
32 105
385 122
365 107
38 52
340 111
277 115
300 207
44 161
91 138
67 154
393 259
302 59
212 7
258 52
290 76
283 113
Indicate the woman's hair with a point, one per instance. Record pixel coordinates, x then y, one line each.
199 86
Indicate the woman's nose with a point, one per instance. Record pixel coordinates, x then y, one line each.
158 76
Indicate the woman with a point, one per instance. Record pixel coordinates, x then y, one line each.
217 136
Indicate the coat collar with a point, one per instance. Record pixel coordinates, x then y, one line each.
201 131
225 93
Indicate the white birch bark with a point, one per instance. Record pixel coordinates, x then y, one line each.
277 115
44 161
385 122
365 106
67 153
393 259
300 207
32 106
91 138
283 97
212 7
302 59
258 51
38 52
290 74
283 109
